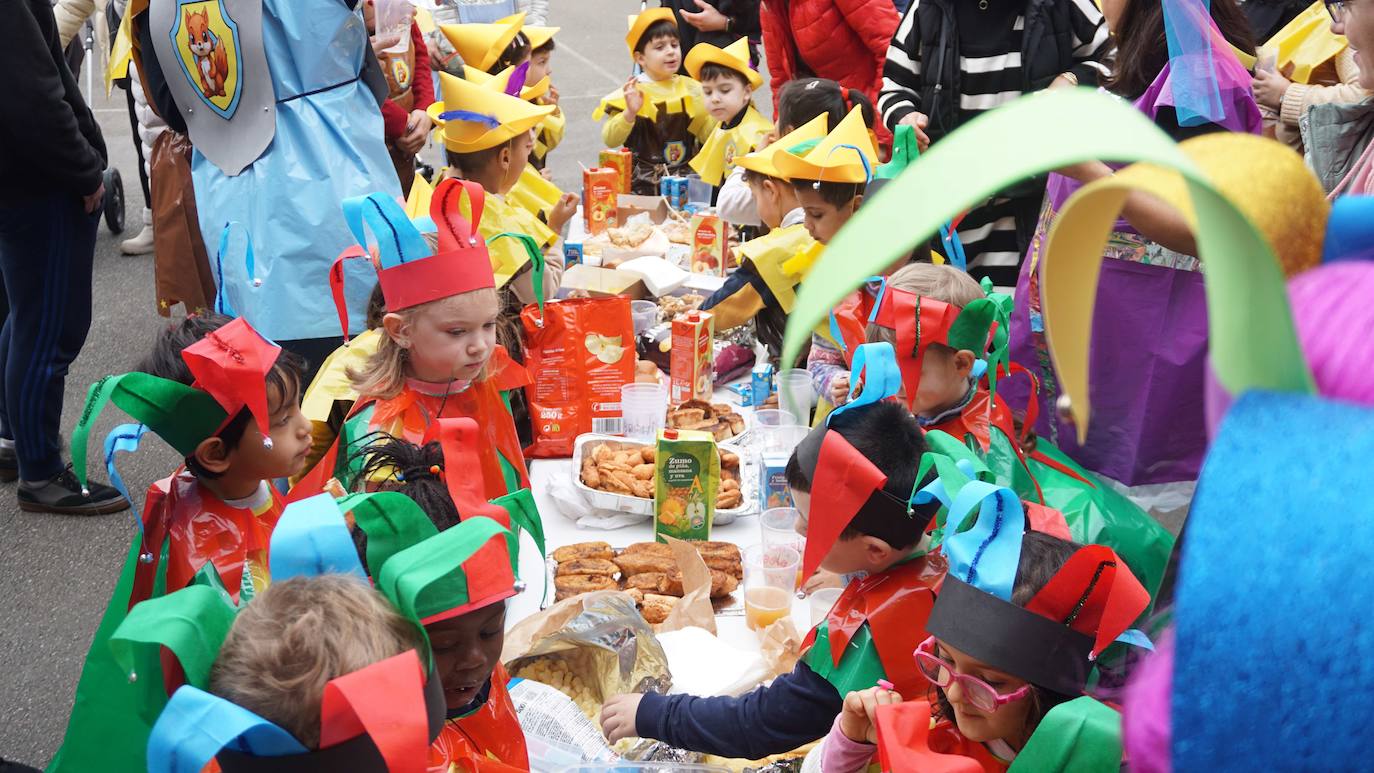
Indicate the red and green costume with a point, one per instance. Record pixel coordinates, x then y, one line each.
187 535
983 427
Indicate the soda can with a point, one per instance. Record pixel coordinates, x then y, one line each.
761 383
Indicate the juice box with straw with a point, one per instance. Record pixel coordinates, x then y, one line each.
691 357
599 195
686 477
622 161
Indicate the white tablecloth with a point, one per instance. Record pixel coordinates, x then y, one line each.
560 530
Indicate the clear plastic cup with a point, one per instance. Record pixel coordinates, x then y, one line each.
393 22
796 395
778 526
774 417
820 603
645 315
770 580
643 409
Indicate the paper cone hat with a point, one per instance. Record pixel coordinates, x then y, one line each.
1053 641
502 82
642 22
410 275
480 44
232 364
539 35
846 155
473 118
734 56
763 161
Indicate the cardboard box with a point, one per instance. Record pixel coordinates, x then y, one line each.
621 160
598 282
629 205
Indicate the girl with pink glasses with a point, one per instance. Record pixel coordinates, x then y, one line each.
1015 634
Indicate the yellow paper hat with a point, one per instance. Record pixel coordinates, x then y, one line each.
540 35
481 45
501 80
734 56
761 161
846 155
645 19
473 118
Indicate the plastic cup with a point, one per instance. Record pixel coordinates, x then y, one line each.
796 395
770 580
773 417
778 526
820 603
393 19
645 315
643 410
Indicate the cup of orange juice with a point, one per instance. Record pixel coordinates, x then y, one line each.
770 581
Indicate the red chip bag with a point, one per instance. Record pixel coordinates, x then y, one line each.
578 359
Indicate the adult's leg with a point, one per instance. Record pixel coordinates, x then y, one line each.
47 248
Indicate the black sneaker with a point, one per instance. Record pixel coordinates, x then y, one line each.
62 494
9 465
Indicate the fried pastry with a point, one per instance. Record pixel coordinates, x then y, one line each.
631 564
583 550
586 566
656 608
571 585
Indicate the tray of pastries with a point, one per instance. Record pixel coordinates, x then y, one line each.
720 419
648 572
614 473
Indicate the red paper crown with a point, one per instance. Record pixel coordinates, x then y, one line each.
232 364
460 265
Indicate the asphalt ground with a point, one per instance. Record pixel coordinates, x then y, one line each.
56 572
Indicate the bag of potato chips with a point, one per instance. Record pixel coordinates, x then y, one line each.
579 353
686 477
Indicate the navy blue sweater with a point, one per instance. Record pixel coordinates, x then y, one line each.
794 710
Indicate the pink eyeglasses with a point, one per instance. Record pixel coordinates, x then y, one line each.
941 673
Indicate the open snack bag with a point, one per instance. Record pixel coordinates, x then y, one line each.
579 353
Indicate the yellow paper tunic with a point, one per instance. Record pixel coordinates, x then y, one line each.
674 95
508 256
533 193
717 157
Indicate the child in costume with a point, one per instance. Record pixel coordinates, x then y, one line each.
410 92
226 399
320 672
829 178
771 266
465 630
727 86
487 141
866 461
659 115
438 357
798 102
950 341
1015 633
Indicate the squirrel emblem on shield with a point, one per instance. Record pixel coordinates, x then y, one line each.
212 62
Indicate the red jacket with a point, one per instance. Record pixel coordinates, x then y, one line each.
843 40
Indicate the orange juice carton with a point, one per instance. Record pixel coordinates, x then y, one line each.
599 193
691 357
622 161
710 243
686 477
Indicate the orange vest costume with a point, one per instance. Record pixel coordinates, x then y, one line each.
489 740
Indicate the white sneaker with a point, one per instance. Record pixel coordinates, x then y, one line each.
142 243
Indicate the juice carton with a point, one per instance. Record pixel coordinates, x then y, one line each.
686 477
599 192
761 383
773 490
674 189
710 244
622 161
691 357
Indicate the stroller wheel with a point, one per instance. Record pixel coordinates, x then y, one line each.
114 201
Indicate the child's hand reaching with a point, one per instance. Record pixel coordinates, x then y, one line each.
839 389
634 99
618 717
856 719
563 212
822 579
